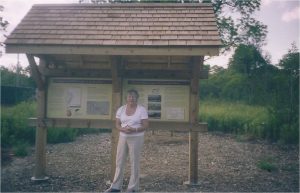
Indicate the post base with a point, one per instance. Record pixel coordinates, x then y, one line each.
39 179
188 183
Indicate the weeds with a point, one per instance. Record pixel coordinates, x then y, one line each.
18 136
267 164
237 118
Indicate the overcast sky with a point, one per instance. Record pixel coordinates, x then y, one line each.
281 16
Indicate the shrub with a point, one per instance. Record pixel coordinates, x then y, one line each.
267 164
14 124
61 135
21 149
250 120
17 135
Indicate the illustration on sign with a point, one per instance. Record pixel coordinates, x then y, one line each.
79 98
165 100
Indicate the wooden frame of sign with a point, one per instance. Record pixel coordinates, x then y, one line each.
118 68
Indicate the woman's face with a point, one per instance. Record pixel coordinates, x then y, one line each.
131 99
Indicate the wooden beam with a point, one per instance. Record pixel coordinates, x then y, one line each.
156 74
36 74
177 126
114 50
41 130
196 64
95 73
40 138
115 73
156 66
74 123
116 62
109 124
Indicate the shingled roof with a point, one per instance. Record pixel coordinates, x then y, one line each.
118 25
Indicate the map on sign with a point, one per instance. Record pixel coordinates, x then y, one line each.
79 98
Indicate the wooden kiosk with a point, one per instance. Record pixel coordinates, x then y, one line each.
88 55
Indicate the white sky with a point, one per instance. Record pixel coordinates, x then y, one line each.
281 16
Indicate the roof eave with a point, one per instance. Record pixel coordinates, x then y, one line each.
209 50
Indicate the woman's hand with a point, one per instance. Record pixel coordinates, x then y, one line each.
128 130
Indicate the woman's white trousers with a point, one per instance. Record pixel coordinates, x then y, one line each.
133 146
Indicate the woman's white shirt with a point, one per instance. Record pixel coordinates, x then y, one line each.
133 121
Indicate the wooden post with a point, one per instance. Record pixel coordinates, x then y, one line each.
116 101
196 63
41 130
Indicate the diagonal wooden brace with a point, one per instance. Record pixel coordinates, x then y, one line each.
36 74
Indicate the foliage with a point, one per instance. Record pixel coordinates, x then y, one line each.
3 22
16 77
16 85
267 163
12 95
21 149
252 80
14 124
290 61
3 25
236 25
234 117
247 59
285 104
16 134
61 135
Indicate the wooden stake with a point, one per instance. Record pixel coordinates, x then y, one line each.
41 130
196 63
116 101
40 139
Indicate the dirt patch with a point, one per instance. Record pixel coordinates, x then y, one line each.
225 164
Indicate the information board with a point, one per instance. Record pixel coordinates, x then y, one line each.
84 98
165 100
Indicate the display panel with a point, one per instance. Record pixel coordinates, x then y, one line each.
79 98
165 100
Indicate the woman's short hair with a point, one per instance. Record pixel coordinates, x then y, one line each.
133 92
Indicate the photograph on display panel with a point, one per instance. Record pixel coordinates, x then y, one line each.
81 98
165 100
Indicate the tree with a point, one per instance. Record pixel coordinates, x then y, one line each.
284 99
3 26
9 77
239 27
246 59
290 61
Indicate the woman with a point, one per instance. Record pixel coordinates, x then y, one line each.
131 121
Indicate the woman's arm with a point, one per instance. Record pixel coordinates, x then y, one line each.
118 125
145 125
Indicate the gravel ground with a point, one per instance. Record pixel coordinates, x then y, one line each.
225 165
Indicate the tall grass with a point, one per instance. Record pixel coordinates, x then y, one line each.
14 124
15 133
237 118
18 136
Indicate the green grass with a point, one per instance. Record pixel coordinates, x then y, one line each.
235 118
20 149
267 163
246 121
18 136
14 124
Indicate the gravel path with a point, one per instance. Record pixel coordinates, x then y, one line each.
225 165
